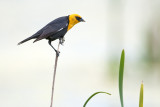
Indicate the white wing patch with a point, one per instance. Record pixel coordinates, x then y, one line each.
60 29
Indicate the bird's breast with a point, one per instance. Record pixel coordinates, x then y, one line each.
69 26
71 23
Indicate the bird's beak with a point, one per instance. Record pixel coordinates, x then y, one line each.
82 20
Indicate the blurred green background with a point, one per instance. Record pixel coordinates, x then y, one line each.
89 59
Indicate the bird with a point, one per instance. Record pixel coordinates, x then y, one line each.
56 29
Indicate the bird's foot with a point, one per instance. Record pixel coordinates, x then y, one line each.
57 53
62 41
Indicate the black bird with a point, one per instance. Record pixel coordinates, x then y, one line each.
56 29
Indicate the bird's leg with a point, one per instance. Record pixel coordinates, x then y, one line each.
57 52
61 40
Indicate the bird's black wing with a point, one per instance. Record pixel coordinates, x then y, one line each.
53 27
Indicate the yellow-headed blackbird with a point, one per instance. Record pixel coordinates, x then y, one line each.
56 29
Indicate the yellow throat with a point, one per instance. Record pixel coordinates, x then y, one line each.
72 20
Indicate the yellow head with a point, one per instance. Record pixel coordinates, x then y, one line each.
74 19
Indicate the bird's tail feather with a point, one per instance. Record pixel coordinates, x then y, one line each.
27 39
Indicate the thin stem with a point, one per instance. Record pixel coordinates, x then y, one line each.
93 96
54 75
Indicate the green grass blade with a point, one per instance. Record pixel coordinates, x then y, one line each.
121 70
141 96
93 96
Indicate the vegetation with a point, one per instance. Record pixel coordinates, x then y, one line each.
121 72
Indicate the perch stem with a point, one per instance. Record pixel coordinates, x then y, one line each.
54 75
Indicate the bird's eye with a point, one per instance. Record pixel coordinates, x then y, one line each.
78 18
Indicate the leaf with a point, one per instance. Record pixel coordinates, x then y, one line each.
141 96
93 96
121 70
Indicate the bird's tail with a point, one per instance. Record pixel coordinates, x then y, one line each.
27 39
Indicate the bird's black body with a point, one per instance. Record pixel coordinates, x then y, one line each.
58 35
52 31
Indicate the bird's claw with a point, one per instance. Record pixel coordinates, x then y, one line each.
62 41
57 53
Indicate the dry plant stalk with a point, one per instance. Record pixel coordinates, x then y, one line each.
54 75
